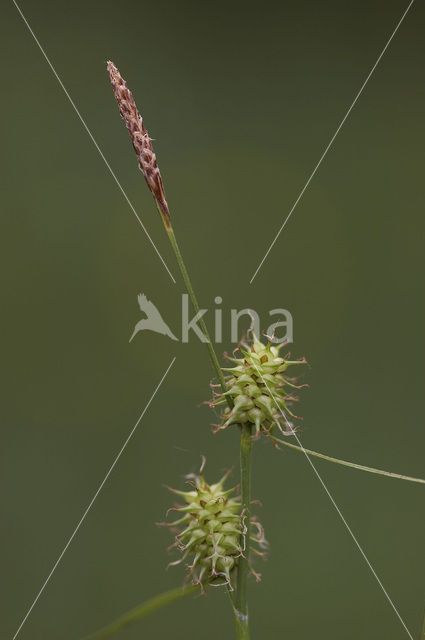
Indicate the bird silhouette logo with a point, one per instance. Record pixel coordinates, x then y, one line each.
153 321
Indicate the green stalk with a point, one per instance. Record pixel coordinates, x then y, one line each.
144 609
353 465
241 625
241 601
194 301
238 624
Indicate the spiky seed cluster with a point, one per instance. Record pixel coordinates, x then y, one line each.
139 136
210 532
258 388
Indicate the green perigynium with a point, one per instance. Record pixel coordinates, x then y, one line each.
211 532
259 387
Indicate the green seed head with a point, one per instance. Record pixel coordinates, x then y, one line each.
211 531
260 389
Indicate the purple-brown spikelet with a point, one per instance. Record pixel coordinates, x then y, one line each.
141 142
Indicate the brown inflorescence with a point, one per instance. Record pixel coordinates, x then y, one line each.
139 136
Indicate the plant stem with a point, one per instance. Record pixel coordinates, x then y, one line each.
347 464
238 625
239 600
241 603
144 609
241 625
194 301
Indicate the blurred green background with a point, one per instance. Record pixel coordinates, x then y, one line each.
241 99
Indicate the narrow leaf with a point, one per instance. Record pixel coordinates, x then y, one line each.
353 465
142 610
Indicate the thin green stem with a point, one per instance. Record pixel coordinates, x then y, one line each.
237 617
144 609
241 602
353 465
423 631
196 308
241 625
239 599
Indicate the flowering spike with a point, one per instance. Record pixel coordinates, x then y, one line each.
259 389
141 142
212 531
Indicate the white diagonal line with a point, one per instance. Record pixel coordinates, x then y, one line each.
338 510
94 141
117 457
331 141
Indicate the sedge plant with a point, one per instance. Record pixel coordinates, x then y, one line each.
215 535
